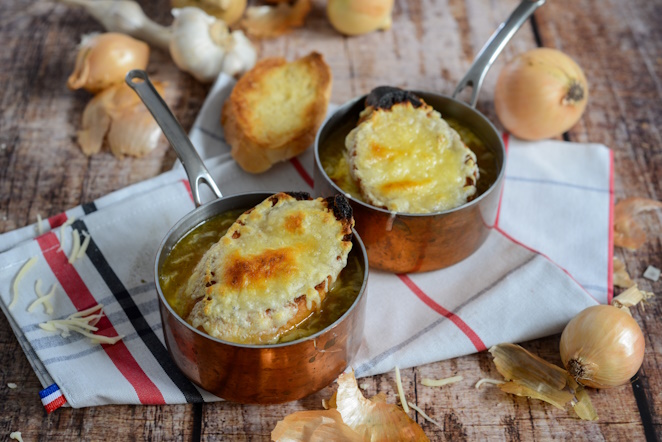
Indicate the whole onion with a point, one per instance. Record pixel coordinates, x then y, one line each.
540 94
602 347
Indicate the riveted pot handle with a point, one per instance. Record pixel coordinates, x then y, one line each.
195 168
491 50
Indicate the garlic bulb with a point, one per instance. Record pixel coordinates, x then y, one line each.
355 17
104 59
204 47
127 17
227 10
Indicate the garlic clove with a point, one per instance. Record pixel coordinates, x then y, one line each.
272 21
230 11
118 114
95 124
242 57
104 59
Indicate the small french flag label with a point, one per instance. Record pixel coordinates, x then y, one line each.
52 398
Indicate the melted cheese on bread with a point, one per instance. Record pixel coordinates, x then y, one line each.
272 268
407 159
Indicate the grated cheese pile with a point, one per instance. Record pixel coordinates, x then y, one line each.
82 322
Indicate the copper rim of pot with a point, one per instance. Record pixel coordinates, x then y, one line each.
430 241
249 373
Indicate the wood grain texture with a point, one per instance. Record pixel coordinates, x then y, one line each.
430 46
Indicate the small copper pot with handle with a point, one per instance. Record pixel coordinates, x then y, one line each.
406 243
262 374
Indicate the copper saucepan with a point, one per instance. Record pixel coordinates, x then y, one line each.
244 373
405 243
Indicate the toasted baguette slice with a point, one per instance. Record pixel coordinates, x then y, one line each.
404 157
272 269
275 109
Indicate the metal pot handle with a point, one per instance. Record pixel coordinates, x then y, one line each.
491 50
195 168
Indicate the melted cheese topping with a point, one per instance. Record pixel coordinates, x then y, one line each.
410 160
275 262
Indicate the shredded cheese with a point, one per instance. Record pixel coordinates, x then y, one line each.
75 238
21 273
425 416
489 381
440 382
38 227
82 322
62 227
16 435
42 299
401 391
12 385
83 247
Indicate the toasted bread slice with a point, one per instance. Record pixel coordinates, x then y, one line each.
272 269
404 157
275 109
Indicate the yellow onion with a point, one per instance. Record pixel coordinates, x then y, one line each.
602 347
540 94
355 17
104 59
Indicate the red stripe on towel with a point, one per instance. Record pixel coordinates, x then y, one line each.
188 188
610 250
57 220
302 172
473 337
82 299
54 405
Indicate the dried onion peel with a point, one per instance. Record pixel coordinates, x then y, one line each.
104 59
621 277
368 419
530 376
272 21
628 232
118 113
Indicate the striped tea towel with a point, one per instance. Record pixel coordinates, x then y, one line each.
547 258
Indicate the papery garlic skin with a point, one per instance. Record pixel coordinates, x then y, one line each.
127 17
230 11
356 17
602 347
200 44
104 59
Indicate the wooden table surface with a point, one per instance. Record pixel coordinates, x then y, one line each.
42 171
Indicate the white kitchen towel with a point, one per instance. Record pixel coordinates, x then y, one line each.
548 257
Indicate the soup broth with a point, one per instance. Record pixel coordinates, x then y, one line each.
189 250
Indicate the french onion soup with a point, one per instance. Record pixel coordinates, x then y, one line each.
277 272
403 156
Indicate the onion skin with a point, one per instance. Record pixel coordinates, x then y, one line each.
356 17
104 59
602 347
540 94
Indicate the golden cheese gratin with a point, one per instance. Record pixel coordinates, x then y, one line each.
270 271
404 157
